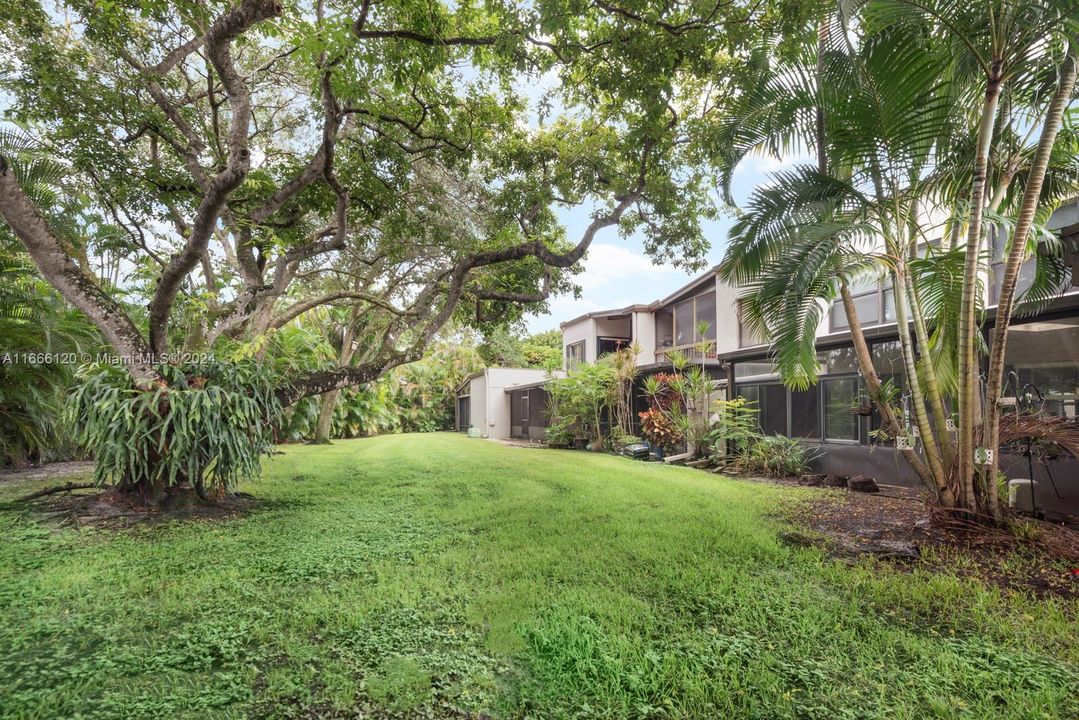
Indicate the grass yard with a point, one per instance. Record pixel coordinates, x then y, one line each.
437 576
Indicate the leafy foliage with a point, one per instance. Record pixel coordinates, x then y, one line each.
43 340
581 400
660 429
737 426
776 455
208 427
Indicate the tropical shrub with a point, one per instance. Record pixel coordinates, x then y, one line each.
777 456
43 338
736 428
659 429
206 427
583 399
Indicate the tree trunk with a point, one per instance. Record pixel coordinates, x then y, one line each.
932 384
329 400
968 324
1006 302
921 417
873 386
325 418
52 259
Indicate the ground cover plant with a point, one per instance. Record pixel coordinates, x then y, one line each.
437 576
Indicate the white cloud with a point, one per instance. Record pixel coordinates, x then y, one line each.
614 276
607 264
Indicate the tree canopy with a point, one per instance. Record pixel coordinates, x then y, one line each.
194 173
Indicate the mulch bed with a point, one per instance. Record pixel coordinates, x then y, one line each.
1037 557
106 509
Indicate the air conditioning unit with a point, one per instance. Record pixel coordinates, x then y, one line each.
1021 493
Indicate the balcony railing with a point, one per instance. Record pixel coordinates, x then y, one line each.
692 352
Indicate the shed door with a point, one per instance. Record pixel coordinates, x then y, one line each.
463 409
524 414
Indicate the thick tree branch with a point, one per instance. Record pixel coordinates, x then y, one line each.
515 297
56 265
224 30
297 309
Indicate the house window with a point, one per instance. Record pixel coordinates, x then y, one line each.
773 409
705 312
690 313
874 302
839 394
664 329
1044 355
607 345
524 407
574 354
748 336
683 322
805 413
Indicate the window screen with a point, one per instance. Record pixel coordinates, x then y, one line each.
773 409
839 395
706 312
805 413
683 322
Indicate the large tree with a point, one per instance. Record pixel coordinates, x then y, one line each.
233 166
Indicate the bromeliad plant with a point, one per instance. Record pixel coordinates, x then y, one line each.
204 429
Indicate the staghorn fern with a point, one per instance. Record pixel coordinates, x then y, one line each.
208 426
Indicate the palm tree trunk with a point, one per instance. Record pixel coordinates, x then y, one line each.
932 384
968 325
874 388
918 400
1006 302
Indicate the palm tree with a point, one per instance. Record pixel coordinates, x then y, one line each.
888 103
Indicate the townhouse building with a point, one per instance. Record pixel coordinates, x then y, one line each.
1042 361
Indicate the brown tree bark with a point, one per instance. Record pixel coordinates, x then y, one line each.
329 400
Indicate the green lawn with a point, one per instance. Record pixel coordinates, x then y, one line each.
407 575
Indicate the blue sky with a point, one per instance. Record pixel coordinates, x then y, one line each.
618 273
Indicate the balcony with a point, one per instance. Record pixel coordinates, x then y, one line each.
693 353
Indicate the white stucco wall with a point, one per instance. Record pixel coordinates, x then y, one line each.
497 401
478 404
726 317
614 327
644 334
584 329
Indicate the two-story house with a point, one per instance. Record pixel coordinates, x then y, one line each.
1043 355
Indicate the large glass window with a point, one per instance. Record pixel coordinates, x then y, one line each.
839 395
574 354
683 322
873 301
664 329
837 361
689 313
706 313
607 345
1044 355
757 369
773 407
805 413
887 358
